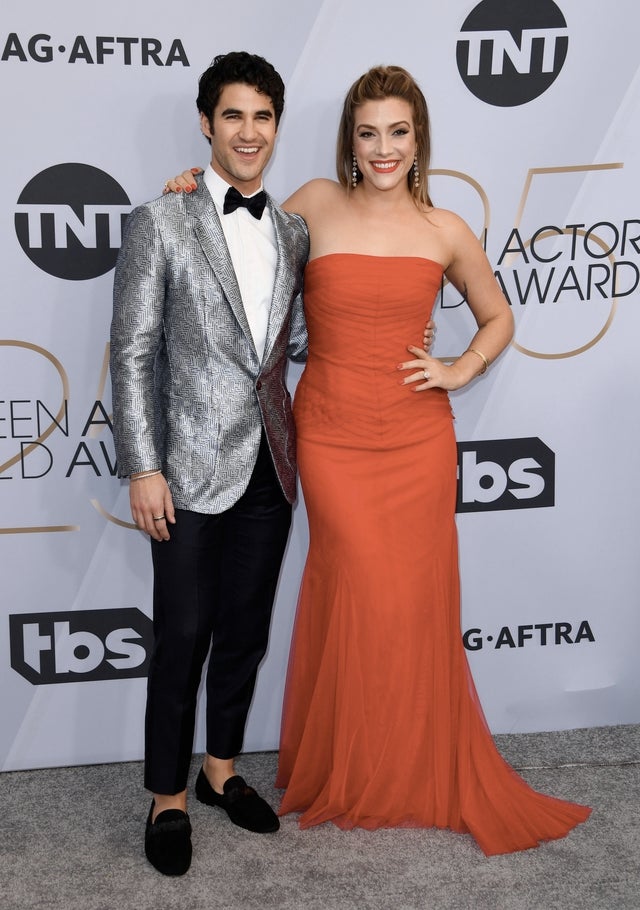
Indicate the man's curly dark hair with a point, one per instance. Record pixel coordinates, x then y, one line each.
239 66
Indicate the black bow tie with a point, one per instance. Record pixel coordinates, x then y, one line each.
234 200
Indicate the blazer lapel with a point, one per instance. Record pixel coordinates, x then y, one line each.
285 278
209 232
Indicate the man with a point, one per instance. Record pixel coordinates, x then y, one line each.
207 310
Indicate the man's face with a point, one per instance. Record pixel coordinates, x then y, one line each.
243 134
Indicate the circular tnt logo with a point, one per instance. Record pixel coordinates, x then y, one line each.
510 51
69 221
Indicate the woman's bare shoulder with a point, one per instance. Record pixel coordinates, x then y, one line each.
319 191
446 219
322 185
453 229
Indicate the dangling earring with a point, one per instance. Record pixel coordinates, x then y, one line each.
416 173
354 171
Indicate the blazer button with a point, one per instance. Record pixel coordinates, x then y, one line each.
259 384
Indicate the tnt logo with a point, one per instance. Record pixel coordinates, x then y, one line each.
510 51
80 646
505 474
69 221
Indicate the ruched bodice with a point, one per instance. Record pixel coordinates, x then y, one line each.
358 333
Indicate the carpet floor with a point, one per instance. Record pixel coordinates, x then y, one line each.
72 839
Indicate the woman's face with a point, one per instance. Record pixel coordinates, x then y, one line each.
384 142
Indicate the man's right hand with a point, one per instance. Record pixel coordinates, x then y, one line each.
152 505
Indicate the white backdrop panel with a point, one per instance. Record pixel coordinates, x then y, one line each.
550 592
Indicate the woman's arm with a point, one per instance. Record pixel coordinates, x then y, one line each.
471 274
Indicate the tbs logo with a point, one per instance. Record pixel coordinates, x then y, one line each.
505 474
510 51
69 221
80 646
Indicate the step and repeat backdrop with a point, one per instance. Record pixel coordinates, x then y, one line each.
536 135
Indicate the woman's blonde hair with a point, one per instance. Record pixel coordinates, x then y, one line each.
376 84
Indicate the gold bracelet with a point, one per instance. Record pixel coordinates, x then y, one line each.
146 474
485 362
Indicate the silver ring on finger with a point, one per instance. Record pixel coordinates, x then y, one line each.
426 375
158 517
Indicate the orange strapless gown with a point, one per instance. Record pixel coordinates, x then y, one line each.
382 726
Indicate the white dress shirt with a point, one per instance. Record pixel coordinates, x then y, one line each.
254 253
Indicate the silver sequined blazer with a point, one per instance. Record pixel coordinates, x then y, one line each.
190 395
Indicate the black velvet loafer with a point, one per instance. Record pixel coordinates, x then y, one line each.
241 803
167 841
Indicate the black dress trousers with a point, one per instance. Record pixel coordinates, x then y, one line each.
214 586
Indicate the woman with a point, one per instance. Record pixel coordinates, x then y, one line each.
382 725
